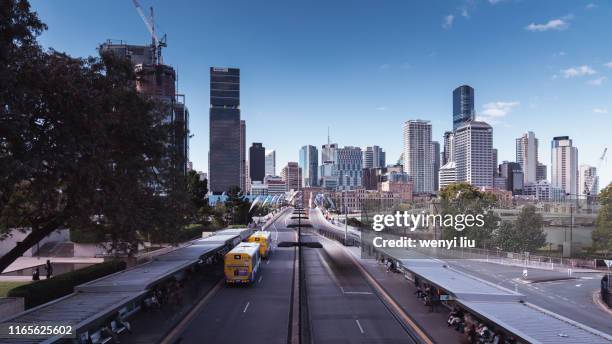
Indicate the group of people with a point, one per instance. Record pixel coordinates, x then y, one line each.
389 264
475 331
429 294
48 270
170 292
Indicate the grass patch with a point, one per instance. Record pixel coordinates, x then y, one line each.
5 286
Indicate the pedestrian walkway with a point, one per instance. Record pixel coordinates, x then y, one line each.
403 292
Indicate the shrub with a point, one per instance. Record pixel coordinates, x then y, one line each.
43 291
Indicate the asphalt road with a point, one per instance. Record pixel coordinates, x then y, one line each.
343 308
571 298
259 313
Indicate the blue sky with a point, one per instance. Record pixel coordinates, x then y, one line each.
365 67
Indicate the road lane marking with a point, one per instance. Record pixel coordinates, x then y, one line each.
259 280
389 302
267 261
356 292
246 307
359 324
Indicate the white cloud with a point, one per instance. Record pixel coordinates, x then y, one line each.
494 111
560 53
597 81
447 23
590 6
578 71
381 108
384 66
609 64
465 13
494 2
600 110
558 24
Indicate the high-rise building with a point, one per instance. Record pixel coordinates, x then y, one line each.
513 175
473 154
329 153
588 183
257 162
449 146
435 155
158 81
372 176
224 164
418 155
291 174
564 165
373 157
349 167
463 106
541 173
527 156
244 177
270 162
494 161
309 163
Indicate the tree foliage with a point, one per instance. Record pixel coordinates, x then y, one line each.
602 235
526 234
463 198
79 148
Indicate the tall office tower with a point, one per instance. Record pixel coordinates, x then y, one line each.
564 165
328 171
417 155
588 183
257 162
368 157
309 163
349 167
270 162
449 146
463 106
373 157
435 155
329 153
224 163
513 174
541 173
243 161
292 176
474 153
527 156
494 160
158 81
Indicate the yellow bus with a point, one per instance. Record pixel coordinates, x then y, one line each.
264 239
242 263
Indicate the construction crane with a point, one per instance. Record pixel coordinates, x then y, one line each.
596 178
156 43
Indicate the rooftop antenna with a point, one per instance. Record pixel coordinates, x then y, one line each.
328 140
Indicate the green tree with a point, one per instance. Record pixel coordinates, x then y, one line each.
79 148
602 235
463 199
237 207
526 234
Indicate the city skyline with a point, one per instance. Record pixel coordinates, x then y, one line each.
534 73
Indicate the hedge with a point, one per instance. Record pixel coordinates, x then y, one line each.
46 290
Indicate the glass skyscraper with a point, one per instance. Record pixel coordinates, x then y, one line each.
463 106
309 163
224 155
